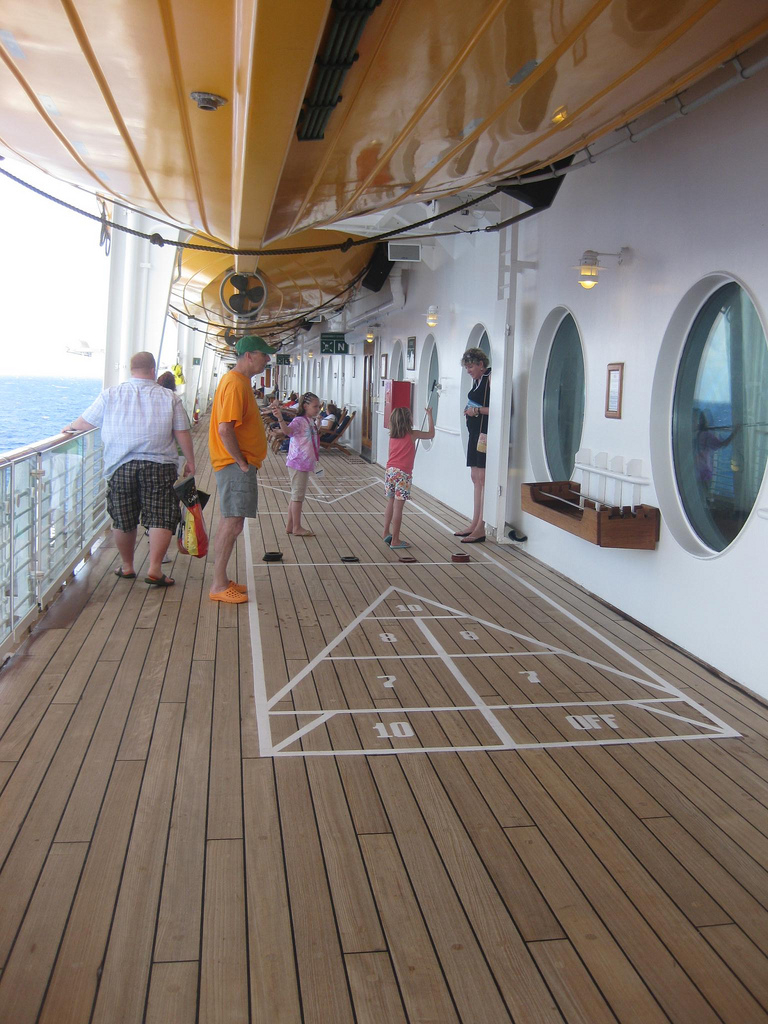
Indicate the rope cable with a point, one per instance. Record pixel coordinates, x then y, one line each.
157 239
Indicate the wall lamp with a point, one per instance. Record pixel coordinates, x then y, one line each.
432 316
589 265
370 336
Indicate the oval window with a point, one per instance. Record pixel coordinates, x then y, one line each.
720 416
564 400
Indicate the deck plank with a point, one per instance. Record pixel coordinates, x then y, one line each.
747 962
173 993
274 988
26 973
225 801
423 986
324 993
374 989
223 963
619 899
82 808
73 986
471 926
572 986
123 989
621 984
181 903
31 844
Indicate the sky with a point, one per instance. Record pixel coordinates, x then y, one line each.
54 279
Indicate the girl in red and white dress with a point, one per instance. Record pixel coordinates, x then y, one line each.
399 474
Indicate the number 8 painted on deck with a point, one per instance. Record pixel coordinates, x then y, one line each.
388 638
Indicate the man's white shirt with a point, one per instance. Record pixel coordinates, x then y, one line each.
137 419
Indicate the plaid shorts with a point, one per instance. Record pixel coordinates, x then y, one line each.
397 484
143 490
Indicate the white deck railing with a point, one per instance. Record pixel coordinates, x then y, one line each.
52 510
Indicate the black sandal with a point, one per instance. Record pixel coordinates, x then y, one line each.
164 581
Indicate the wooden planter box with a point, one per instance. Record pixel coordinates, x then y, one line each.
557 502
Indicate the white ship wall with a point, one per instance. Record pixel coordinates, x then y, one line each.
689 201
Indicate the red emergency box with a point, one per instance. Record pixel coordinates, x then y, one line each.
398 394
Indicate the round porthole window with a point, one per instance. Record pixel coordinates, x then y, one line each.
720 416
563 404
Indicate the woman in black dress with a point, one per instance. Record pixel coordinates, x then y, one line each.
475 362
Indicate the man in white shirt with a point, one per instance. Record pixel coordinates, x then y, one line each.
141 422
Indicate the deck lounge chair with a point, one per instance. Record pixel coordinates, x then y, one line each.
332 439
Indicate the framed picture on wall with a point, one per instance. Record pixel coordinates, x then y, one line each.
614 388
410 354
384 366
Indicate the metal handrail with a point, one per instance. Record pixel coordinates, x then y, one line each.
32 449
52 511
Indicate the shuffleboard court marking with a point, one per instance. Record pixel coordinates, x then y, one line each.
321 497
392 724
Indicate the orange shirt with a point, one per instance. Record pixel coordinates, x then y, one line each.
234 401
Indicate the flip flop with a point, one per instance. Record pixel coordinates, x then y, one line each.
387 539
124 575
476 540
463 533
402 544
164 581
307 534
239 587
229 596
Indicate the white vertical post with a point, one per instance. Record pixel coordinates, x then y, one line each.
635 468
502 338
617 466
601 462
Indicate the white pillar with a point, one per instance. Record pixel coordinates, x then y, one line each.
139 282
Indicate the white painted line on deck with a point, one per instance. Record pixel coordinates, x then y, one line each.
352 565
257 655
305 513
639 702
493 748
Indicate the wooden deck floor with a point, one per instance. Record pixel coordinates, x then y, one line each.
378 793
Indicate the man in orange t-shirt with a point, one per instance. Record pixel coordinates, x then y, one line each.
238 445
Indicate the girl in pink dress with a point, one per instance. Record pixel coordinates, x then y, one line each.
303 455
399 474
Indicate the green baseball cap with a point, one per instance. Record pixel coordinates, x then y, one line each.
253 343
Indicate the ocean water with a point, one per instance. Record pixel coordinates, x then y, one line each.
34 408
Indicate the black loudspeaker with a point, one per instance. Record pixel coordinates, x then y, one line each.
378 268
